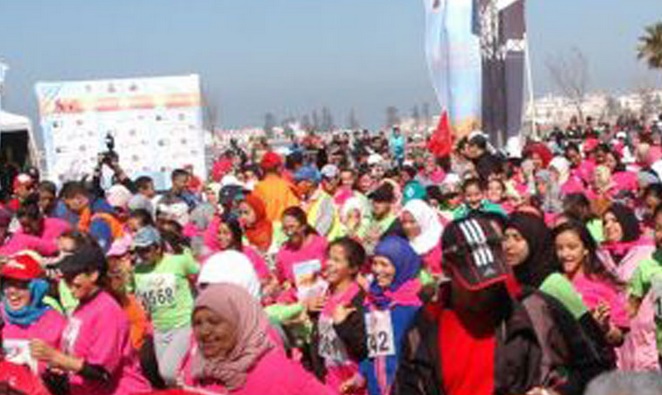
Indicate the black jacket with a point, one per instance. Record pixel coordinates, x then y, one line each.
539 343
351 332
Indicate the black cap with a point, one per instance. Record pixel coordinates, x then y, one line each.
84 260
472 251
384 193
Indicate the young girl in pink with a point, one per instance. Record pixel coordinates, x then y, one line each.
600 289
339 332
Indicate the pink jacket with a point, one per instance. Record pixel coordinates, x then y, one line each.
639 351
274 374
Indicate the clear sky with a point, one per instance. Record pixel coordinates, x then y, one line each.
291 56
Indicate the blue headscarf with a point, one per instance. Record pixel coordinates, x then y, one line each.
407 264
32 312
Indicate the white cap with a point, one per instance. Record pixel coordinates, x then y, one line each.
375 159
232 267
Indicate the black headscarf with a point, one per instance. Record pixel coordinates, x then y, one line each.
628 221
541 262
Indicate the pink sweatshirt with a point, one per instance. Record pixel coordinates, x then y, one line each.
98 332
48 328
45 245
594 291
639 350
274 374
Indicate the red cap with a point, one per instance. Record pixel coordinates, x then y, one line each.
271 160
22 267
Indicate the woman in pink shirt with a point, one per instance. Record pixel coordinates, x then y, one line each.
600 289
96 351
624 249
224 233
301 259
24 312
237 355
45 230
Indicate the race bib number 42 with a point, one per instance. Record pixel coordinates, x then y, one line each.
380 337
158 290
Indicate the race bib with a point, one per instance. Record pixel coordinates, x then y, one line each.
70 335
331 348
379 328
157 290
18 352
656 289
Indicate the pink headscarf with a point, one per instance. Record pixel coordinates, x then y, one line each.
238 307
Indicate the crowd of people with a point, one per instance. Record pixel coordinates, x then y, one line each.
355 263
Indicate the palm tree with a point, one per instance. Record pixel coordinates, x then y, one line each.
650 46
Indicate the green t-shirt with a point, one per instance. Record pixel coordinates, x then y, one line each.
67 300
560 288
648 278
165 291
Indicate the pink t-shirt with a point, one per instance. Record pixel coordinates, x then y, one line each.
432 260
98 332
48 328
46 244
287 258
273 374
594 291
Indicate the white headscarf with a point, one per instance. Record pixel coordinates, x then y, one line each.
231 267
562 166
428 221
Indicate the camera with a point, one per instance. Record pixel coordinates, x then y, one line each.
110 155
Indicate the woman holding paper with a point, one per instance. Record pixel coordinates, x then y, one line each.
300 261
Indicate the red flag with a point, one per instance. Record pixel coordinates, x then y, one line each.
441 141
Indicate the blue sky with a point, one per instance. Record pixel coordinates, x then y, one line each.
291 56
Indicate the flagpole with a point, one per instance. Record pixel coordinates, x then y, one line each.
529 83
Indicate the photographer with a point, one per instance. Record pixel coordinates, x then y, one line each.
111 159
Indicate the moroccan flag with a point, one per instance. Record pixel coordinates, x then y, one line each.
441 141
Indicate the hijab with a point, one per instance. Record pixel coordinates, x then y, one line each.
428 220
260 233
31 313
237 306
631 231
403 290
231 267
540 263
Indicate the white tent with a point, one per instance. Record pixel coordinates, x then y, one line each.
13 123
